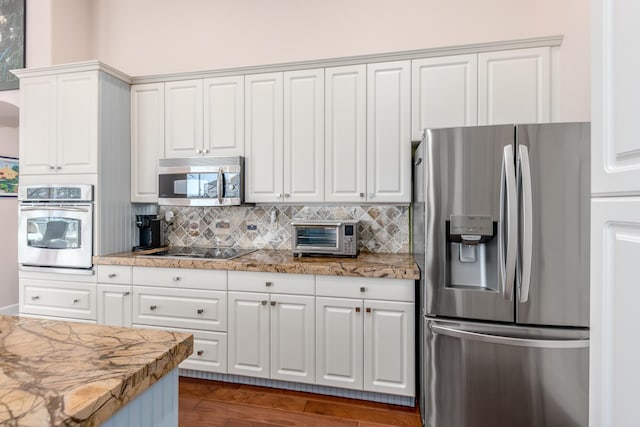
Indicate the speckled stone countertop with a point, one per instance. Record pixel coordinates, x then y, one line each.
61 373
397 266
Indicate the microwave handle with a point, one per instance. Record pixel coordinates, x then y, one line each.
220 184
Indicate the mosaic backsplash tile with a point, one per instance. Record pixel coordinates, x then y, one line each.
383 228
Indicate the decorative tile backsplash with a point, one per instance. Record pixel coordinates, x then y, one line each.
383 228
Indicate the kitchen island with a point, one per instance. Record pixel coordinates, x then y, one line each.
62 373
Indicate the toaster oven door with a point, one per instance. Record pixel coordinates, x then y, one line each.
317 238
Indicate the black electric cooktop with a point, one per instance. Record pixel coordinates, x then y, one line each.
201 253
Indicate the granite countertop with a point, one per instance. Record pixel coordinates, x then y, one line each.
73 374
397 266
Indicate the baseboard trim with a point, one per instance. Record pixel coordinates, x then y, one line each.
10 310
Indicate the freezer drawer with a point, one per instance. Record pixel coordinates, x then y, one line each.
483 375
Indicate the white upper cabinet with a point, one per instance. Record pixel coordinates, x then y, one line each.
224 116
345 134
183 118
514 86
147 140
59 123
304 136
264 163
388 132
444 93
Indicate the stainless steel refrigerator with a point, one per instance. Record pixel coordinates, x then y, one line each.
501 235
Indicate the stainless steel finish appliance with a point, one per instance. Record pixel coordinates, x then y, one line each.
501 235
201 181
222 253
334 238
55 226
151 232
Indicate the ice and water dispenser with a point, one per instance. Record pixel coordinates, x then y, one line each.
472 244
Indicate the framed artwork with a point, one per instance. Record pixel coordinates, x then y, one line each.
9 175
12 32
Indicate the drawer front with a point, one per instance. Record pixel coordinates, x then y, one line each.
297 284
365 287
209 349
180 308
116 274
60 299
180 278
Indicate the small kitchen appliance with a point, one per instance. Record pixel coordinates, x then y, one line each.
151 232
332 238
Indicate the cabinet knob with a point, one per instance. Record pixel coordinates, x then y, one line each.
205 151
357 309
176 279
267 284
200 352
361 194
263 302
200 311
287 195
58 167
368 309
363 289
76 300
126 294
153 307
51 167
199 151
273 303
112 275
35 298
278 195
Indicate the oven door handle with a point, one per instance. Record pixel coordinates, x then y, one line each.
54 208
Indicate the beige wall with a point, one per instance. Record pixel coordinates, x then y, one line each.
9 230
162 36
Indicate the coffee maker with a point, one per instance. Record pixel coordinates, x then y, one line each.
151 232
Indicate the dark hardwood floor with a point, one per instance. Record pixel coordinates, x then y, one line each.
213 403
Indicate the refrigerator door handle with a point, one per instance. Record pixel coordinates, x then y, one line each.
524 170
498 339
508 217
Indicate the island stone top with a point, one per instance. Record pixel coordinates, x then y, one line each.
61 373
396 266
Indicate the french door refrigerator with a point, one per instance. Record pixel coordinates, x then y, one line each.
501 235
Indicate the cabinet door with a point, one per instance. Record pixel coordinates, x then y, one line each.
346 134
147 140
304 136
248 334
389 343
224 116
339 340
114 305
183 118
293 338
388 137
77 123
263 138
514 86
444 93
37 125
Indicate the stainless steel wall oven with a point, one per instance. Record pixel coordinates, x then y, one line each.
55 227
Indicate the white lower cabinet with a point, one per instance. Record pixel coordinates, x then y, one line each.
363 342
114 305
272 334
63 299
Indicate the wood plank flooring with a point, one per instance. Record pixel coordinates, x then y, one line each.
212 403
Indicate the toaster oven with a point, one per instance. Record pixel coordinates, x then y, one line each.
333 238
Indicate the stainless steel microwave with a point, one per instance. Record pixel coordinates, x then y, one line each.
336 238
201 181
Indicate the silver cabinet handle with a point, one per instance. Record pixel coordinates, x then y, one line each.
263 302
498 339
76 300
363 289
199 151
287 195
524 175
361 194
268 284
200 352
176 279
58 167
205 151
200 311
273 303
278 195
35 298
51 167
153 307
112 275
418 161
126 294
508 223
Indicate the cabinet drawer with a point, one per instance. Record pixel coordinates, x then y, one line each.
116 274
297 284
60 299
180 308
180 278
209 349
365 287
